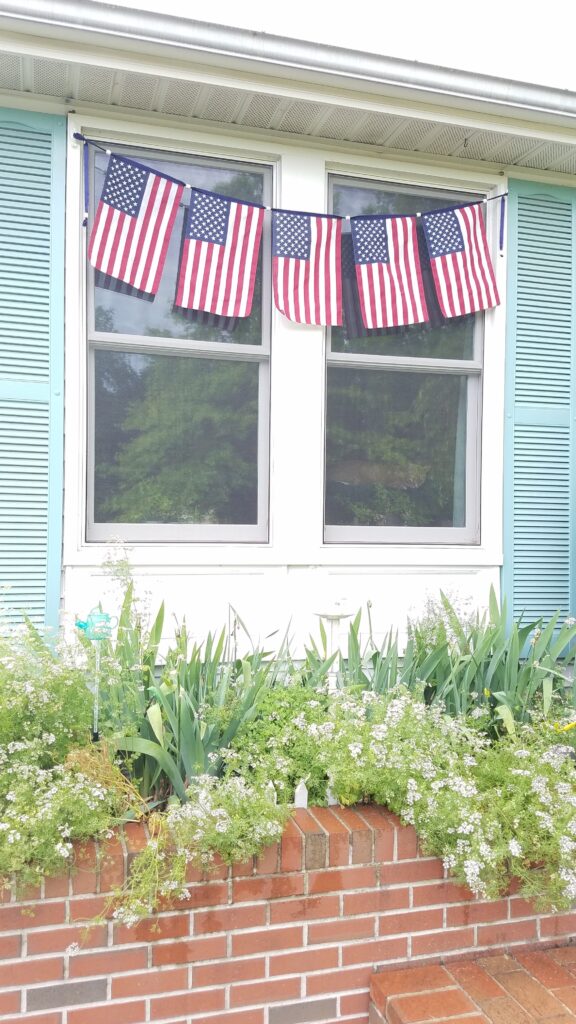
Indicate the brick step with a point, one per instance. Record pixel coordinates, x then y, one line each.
529 988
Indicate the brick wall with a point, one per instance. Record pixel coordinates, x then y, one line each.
290 938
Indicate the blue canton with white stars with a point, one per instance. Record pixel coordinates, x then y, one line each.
370 240
291 235
208 217
443 233
124 186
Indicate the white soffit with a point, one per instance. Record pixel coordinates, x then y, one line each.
349 118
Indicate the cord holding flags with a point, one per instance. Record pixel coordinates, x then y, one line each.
221 244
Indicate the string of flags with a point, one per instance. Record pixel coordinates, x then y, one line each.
221 242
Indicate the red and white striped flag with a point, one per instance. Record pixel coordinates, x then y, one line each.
219 255
133 223
306 267
388 271
460 260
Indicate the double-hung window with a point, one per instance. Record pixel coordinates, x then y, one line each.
403 405
179 400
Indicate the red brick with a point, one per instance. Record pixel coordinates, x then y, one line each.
519 907
243 869
187 952
406 981
406 843
291 848
265 992
209 894
230 970
477 913
560 924
498 964
342 879
273 887
439 942
84 874
113 961
545 970
267 862
40 915
135 836
478 984
413 921
187 1003
86 908
303 963
384 832
112 865
238 1017
44 1018
338 836
531 995
374 952
154 929
57 940
31 972
10 1002
342 930
110 1013
229 919
58 886
411 871
150 982
306 909
378 900
356 1003
10 945
428 1006
500 934
567 996
566 955
338 981
244 943
440 892
361 835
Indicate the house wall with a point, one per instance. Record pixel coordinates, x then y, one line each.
290 938
290 581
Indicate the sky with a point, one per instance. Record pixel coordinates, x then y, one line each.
510 38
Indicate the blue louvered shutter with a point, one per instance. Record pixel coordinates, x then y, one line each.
32 179
540 546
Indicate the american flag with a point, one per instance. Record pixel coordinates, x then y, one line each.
388 271
133 223
460 260
219 255
306 271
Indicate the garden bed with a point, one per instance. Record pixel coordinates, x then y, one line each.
294 934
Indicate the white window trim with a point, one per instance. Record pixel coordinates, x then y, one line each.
177 533
295 541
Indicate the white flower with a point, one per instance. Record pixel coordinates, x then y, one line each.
515 848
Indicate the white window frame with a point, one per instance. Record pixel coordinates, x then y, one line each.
472 369
178 533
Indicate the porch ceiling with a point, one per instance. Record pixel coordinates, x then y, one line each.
353 118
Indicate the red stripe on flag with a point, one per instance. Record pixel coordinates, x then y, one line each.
141 265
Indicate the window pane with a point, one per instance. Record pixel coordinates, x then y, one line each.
119 313
395 449
438 338
175 439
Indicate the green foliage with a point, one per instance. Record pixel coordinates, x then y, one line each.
277 747
45 704
227 818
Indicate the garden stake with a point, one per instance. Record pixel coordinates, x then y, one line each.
97 627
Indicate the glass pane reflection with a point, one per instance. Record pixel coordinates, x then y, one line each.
175 439
395 449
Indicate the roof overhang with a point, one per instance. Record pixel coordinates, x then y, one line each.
93 56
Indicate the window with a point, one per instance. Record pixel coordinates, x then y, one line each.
179 422
403 405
